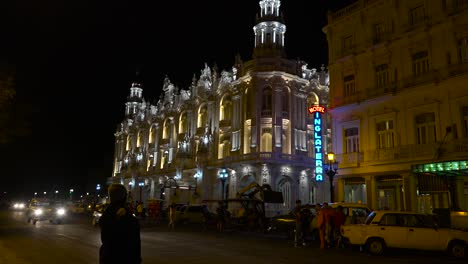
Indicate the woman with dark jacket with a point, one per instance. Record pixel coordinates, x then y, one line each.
120 230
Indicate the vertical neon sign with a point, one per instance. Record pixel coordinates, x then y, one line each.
317 111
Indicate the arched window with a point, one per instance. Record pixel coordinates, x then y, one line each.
249 105
225 108
183 123
202 116
285 103
265 145
129 143
285 188
139 139
152 135
267 102
166 129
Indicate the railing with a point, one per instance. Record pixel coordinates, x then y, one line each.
264 157
266 113
432 76
346 11
451 149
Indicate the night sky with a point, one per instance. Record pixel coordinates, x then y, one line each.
75 61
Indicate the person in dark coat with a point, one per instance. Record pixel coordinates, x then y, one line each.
120 230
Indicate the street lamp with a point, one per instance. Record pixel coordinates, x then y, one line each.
98 187
331 172
196 176
71 194
223 174
141 184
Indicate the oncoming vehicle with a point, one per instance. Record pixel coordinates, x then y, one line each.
411 230
40 210
19 206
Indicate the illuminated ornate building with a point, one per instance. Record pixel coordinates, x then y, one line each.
399 98
250 121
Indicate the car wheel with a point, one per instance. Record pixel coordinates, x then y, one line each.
457 250
58 221
375 246
29 220
34 222
94 222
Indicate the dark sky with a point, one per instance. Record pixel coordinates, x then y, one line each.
75 61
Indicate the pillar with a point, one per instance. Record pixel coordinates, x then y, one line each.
371 192
460 193
339 190
411 193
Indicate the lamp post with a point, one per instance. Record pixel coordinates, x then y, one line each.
141 184
223 174
331 172
98 189
196 176
71 194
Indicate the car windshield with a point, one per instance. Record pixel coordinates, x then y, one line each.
40 204
369 218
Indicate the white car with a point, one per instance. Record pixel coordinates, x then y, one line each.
396 229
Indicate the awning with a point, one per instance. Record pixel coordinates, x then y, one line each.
445 168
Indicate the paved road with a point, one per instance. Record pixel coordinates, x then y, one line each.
78 242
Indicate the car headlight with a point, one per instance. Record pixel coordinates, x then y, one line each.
61 211
21 205
16 205
38 211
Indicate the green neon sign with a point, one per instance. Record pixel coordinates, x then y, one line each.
441 166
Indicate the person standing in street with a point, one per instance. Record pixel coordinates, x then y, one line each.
120 230
298 235
172 212
221 212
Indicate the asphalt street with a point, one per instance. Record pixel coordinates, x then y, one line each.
77 241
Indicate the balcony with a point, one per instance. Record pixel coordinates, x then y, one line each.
225 123
164 141
454 149
266 113
432 76
200 131
265 157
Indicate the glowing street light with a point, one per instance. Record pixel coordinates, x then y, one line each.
331 171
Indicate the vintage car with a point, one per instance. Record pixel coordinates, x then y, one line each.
397 229
191 214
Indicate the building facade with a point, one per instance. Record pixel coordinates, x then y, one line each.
399 99
251 123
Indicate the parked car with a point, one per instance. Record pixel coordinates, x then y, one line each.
190 214
40 210
396 229
77 208
355 213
